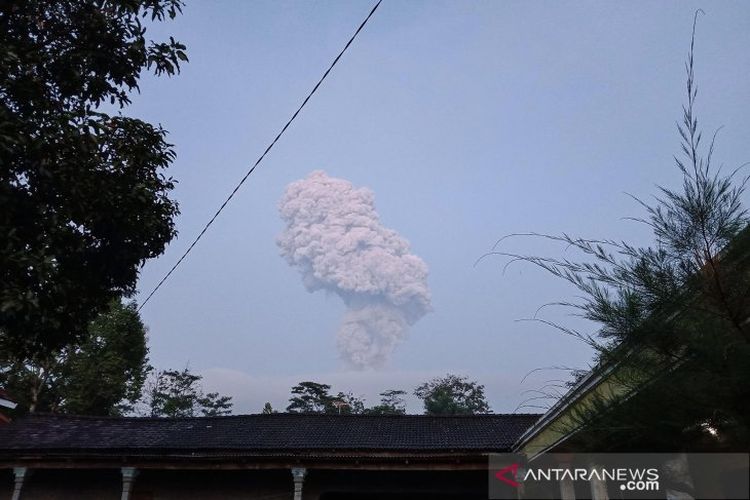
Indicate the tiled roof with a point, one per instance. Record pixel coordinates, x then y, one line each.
265 433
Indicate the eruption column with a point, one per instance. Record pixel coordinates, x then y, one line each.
335 238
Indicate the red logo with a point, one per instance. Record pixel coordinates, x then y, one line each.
513 469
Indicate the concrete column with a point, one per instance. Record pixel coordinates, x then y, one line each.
20 475
298 474
598 486
567 489
678 479
567 486
521 490
128 478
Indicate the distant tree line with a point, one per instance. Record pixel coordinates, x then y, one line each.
448 395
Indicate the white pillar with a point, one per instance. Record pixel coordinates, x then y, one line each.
678 472
567 486
298 474
567 489
598 486
20 474
521 490
128 478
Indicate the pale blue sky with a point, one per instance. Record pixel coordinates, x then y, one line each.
468 120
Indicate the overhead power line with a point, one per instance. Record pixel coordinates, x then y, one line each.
260 158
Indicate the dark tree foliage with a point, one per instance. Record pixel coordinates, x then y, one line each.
175 393
452 395
391 403
442 396
673 317
268 409
102 374
311 397
83 195
346 403
314 397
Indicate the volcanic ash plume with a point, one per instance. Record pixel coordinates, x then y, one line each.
334 237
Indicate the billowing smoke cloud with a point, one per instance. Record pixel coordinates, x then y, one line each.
334 237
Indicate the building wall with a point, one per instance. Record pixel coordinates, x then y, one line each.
64 484
433 485
6 484
251 484
230 485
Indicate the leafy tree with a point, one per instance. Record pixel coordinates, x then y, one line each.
174 393
347 403
102 374
314 397
452 395
268 409
672 317
83 195
311 397
391 403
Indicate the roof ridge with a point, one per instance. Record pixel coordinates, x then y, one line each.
277 415
263 432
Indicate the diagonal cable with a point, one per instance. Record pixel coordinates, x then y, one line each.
260 158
